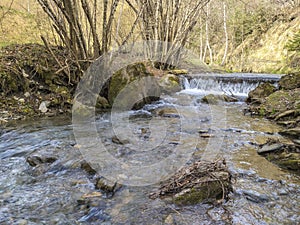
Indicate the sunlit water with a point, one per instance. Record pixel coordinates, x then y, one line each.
263 193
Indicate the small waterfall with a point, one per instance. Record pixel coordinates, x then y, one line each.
238 86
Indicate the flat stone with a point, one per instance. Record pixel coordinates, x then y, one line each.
284 114
255 196
270 148
293 132
296 141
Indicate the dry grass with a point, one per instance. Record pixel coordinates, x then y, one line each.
22 22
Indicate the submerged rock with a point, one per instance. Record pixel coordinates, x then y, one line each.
216 99
36 160
286 156
200 182
107 186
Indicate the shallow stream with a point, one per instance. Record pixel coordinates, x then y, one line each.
57 193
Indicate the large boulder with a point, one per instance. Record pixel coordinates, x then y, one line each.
260 93
290 81
170 83
203 181
134 86
282 100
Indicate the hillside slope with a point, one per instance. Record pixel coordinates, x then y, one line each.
267 53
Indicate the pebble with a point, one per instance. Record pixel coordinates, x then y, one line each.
169 220
27 94
43 106
21 100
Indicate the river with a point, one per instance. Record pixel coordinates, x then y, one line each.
62 192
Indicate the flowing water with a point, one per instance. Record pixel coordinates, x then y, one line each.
53 193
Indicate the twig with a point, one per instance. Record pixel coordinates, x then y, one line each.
56 59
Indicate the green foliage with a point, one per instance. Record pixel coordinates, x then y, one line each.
294 43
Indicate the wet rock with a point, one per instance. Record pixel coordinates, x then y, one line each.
170 83
107 185
293 132
211 99
167 112
169 220
22 222
207 135
87 167
35 160
286 156
260 93
216 99
270 148
143 91
290 81
255 196
117 140
200 182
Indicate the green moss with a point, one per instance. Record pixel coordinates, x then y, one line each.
203 193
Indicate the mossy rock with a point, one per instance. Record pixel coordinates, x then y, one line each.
178 71
170 83
290 81
281 100
260 93
216 99
131 94
202 181
208 191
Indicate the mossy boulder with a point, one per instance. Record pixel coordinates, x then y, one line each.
178 71
216 99
282 100
290 81
260 93
170 83
134 86
203 181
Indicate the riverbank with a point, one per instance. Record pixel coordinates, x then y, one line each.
41 81
282 106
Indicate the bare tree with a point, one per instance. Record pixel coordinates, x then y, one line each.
168 21
226 34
